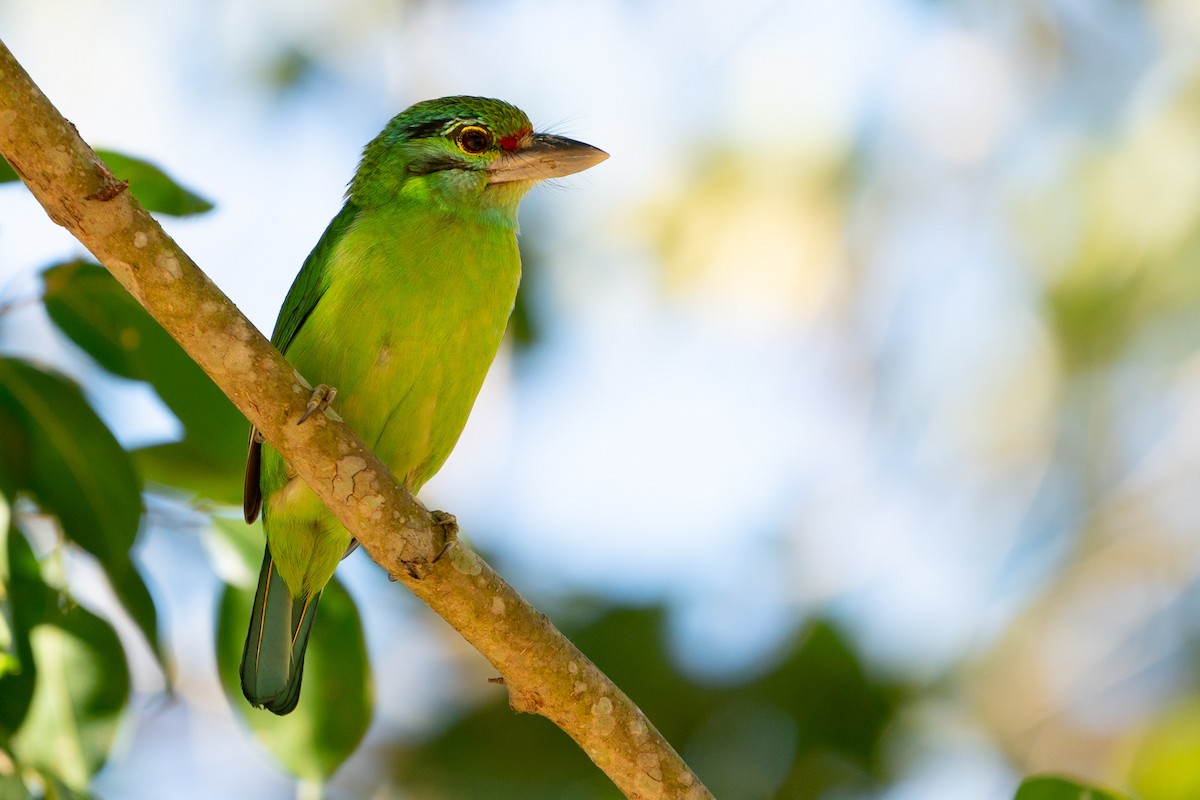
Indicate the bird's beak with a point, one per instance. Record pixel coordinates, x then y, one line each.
544 156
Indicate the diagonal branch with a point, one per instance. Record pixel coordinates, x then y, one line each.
545 673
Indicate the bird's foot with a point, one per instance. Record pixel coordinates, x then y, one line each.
322 396
413 570
447 523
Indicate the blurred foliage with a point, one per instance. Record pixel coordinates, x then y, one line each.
1137 206
1114 242
61 441
64 686
82 688
809 726
100 316
289 69
24 606
1053 788
757 237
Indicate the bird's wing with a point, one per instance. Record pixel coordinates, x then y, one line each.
302 298
251 490
313 280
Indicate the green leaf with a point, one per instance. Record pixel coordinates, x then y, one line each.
194 467
76 470
23 606
100 316
1093 318
16 455
1049 787
152 187
335 703
82 687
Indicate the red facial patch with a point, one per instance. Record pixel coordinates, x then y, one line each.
514 141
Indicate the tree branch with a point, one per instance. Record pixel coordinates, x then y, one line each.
545 673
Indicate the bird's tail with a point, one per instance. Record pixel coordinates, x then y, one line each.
273 657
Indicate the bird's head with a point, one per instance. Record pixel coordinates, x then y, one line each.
464 153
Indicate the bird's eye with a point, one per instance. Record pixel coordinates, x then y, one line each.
473 139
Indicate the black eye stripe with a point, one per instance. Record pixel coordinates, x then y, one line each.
477 139
439 127
434 127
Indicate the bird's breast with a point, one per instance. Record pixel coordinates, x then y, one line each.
411 321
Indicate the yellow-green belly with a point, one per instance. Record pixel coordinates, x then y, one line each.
406 331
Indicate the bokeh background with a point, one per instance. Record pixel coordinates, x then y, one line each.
848 420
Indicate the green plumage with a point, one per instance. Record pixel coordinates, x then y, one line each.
401 306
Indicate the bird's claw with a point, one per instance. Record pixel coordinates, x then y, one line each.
322 396
411 569
448 524
446 521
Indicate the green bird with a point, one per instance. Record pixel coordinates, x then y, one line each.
400 306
